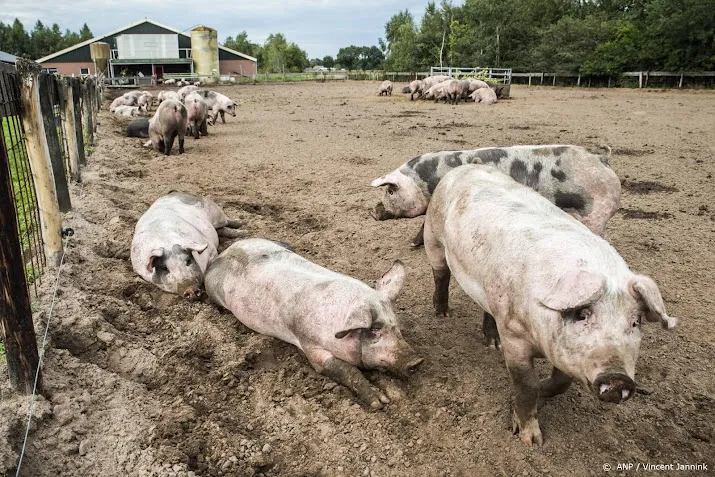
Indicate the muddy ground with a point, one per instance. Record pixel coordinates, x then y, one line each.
138 382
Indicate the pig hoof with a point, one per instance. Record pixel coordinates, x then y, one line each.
376 405
416 245
384 399
529 433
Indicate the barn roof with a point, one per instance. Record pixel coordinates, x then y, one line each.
7 57
140 23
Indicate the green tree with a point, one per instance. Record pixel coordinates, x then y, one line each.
242 44
328 61
401 42
85 33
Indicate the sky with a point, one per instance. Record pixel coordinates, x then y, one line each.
320 27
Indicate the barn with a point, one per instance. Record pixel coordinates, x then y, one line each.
146 48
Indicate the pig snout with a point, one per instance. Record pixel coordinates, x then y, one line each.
412 366
192 293
613 387
379 212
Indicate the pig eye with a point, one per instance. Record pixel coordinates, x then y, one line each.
581 314
188 261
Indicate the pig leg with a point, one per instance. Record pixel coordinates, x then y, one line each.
558 383
491 333
440 272
169 144
234 224
181 143
419 239
195 130
204 129
230 233
346 374
223 119
525 380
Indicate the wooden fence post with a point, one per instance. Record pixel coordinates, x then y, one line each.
40 163
680 84
578 81
87 111
15 312
70 130
553 83
46 87
640 79
76 106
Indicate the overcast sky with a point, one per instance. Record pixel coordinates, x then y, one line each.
320 27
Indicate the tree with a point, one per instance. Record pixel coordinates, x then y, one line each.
328 62
41 41
242 45
401 42
85 33
279 55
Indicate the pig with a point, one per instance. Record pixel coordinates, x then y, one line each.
170 81
574 179
406 89
455 90
169 121
385 88
484 96
176 239
475 84
340 323
433 80
197 83
416 87
138 128
131 110
185 91
218 104
197 114
549 287
435 92
122 101
164 95
145 99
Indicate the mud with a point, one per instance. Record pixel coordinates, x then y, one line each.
138 382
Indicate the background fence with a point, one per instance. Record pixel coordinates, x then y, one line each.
46 122
632 79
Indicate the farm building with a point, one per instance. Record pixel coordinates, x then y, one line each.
147 48
7 58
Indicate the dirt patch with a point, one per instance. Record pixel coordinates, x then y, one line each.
139 382
642 214
646 187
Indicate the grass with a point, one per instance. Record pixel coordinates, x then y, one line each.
21 181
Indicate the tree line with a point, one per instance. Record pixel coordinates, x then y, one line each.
574 36
39 42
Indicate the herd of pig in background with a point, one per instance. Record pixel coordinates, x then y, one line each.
520 228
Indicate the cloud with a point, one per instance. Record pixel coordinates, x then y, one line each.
321 27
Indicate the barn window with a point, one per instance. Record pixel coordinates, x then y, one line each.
84 71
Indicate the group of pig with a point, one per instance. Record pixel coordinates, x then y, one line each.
187 111
520 228
450 90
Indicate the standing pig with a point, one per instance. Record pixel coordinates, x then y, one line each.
175 240
386 88
435 92
197 114
569 176
164 95
555 289
340 323
484 96
183 92
145 99
433 80
168 122
455 90
416 87
218 104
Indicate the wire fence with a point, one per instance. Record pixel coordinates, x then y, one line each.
23 188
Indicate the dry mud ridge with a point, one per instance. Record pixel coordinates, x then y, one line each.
138 382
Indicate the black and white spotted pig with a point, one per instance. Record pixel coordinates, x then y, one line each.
574 179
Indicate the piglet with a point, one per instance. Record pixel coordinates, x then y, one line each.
340 323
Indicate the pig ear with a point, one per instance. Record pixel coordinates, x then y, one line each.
156 253
575 289
357 320
389 179
197 247
390 284
646 291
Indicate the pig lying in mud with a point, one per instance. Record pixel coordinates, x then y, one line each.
138 128
176 239
197 114
170 120
385 88
574 179
340 323
555 289
475 84
218 104
130 111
